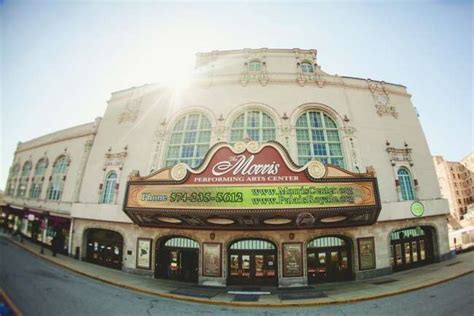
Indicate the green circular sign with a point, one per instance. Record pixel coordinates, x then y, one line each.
417 209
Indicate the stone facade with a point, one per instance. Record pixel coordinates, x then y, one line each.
456 184
381 231
378 128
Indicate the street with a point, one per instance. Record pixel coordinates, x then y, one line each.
40 288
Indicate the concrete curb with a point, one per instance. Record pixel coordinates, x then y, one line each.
239 304
16 311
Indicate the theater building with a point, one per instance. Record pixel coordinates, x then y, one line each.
264 170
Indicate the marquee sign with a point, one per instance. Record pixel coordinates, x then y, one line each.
252 186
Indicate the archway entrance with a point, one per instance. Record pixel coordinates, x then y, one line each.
329 259
104 247
411 247
253 262
177 258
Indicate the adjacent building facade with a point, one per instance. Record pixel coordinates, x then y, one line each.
456 183
264 170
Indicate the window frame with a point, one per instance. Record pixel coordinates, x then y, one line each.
317 140
57 182
247 130
304 68
404 180
108 197
253 63
182 139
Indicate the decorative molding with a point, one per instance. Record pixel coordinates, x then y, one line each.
130 114
261 76
115 159
348 131
381 99
400 155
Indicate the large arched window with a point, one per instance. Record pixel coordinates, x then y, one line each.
12 179
108 192
406 186
25 173
37 183
189 140
318 138
254 125
58 177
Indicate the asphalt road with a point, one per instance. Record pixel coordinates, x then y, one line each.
41 288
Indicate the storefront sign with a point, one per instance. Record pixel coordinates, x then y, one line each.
244 197
417 209
292 259
366 253
249 177
144 253
212 259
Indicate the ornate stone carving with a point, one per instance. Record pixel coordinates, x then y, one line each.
263 75
348 130
319 76
260 76
381 99
244 75
400 155
115 159
130 114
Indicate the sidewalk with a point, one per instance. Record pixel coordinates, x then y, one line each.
317 294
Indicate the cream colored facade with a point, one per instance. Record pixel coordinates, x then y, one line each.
377 124
456 184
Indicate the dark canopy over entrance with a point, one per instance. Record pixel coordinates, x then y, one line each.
177 258
253 262
329 259
104 247
411 247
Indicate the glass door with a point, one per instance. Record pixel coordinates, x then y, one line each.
270 266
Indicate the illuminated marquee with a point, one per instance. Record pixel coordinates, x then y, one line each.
251 186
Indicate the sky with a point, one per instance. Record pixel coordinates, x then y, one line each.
61 60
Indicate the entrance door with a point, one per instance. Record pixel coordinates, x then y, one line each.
104 247
410 248
328 260
256 265
177 258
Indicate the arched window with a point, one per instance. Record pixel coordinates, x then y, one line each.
58 177
318 138
306 67
253 124
25 173
189 140
406 187
108 192
37 184
12 179
255 66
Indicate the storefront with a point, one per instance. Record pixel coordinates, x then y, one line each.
411 247
104 247
177 258
253 188
254 262
39 226
329 259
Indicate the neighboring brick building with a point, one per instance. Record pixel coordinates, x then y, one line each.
456 184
